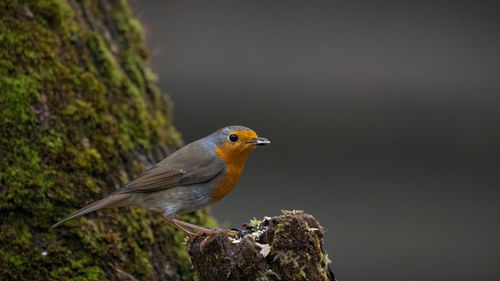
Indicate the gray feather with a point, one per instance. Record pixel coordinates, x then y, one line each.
194 163
109 201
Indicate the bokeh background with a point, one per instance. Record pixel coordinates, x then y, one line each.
384 118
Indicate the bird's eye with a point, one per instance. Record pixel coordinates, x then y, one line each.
233 138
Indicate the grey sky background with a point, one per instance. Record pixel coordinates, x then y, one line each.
384 118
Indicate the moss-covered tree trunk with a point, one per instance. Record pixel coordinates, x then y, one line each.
79 116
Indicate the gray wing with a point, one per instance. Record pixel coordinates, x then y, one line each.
189 165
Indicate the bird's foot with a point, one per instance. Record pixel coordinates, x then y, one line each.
210 232
204 230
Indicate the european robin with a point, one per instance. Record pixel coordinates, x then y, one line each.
193 177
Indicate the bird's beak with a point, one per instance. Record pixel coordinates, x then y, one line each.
259 141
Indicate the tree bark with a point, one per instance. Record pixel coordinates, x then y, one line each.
287 247
80 114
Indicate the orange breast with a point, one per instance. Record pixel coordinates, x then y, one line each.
228 183
235 162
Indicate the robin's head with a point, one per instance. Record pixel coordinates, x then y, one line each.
236 142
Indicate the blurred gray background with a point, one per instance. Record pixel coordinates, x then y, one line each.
384 118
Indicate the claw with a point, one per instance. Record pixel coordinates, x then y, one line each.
211 233
203 243
231 232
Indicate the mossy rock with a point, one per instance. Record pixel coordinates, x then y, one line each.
80 115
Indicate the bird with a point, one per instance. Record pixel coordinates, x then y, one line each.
193 177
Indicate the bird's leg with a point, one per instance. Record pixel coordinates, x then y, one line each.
179 227
207 231
193 226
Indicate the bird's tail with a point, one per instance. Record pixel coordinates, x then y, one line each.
109 201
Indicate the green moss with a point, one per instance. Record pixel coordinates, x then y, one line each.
106 61
286 258
301 274
290 258
262 276
255 223
93 273
281 227
80 110
17 94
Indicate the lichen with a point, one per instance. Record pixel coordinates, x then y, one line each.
80 115
291 212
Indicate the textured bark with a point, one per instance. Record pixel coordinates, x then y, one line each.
80 115
286 247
